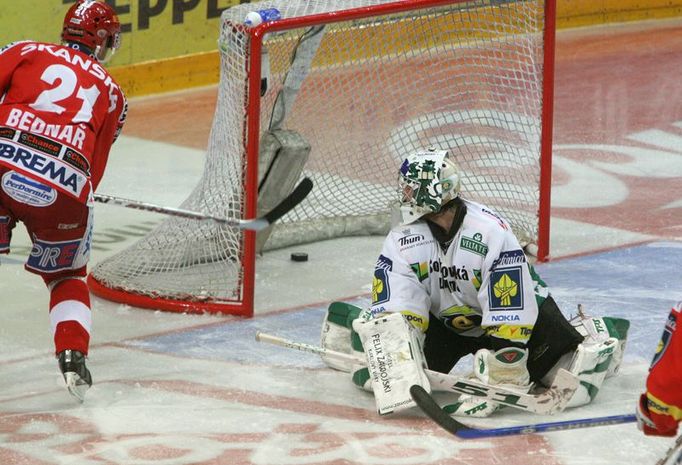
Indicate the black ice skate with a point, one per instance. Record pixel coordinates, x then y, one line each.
76 374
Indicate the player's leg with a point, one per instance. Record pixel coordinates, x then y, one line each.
61 233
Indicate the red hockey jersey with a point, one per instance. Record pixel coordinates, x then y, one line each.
664 383
60 112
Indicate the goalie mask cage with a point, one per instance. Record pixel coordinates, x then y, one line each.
364 83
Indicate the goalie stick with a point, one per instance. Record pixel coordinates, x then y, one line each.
551 401
257 224
428 405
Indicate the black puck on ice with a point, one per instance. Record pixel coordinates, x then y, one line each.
299 257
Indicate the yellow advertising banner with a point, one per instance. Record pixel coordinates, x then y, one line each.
152 29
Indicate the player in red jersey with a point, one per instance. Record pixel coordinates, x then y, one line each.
660 408
60 112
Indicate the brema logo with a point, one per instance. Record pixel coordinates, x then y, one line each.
49 169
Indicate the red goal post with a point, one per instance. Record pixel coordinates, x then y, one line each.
351 87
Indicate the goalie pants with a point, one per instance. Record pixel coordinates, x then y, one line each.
552 337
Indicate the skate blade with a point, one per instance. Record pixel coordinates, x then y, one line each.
75 385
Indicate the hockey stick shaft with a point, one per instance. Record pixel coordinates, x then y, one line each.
429 406
547 427
674 454
548 403
303 347
289 202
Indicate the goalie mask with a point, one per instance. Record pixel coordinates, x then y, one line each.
428 180
95 26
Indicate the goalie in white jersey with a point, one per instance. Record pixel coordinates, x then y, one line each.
457 274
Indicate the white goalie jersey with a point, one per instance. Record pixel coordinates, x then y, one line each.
482 283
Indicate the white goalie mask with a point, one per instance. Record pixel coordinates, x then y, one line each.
428 180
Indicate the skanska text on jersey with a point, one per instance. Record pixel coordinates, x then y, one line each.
74 59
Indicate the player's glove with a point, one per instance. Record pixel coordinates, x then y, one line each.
652 424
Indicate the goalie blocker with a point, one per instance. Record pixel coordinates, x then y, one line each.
395 360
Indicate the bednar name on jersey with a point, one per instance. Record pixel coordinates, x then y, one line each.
27 121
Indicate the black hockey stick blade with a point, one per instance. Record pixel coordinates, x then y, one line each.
429 406
432 410
297 195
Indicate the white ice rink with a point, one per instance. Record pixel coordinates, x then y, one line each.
175 389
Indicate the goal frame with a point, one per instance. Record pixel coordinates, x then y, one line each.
253 123
245 305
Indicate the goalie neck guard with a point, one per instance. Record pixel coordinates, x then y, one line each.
428 180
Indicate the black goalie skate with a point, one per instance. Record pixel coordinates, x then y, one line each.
76 374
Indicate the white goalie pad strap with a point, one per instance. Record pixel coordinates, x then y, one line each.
395 359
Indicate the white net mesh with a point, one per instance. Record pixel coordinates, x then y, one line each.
465 76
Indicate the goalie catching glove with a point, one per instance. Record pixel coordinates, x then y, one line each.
505 368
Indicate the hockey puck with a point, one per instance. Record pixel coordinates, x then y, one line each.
299 257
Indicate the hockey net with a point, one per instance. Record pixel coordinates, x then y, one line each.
353 86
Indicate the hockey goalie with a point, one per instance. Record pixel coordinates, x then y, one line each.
451 280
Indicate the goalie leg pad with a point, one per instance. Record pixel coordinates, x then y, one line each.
590 364
505 368
597 330
395 360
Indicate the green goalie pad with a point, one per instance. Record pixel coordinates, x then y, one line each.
617 327
342 314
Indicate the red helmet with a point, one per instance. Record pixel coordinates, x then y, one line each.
95 25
